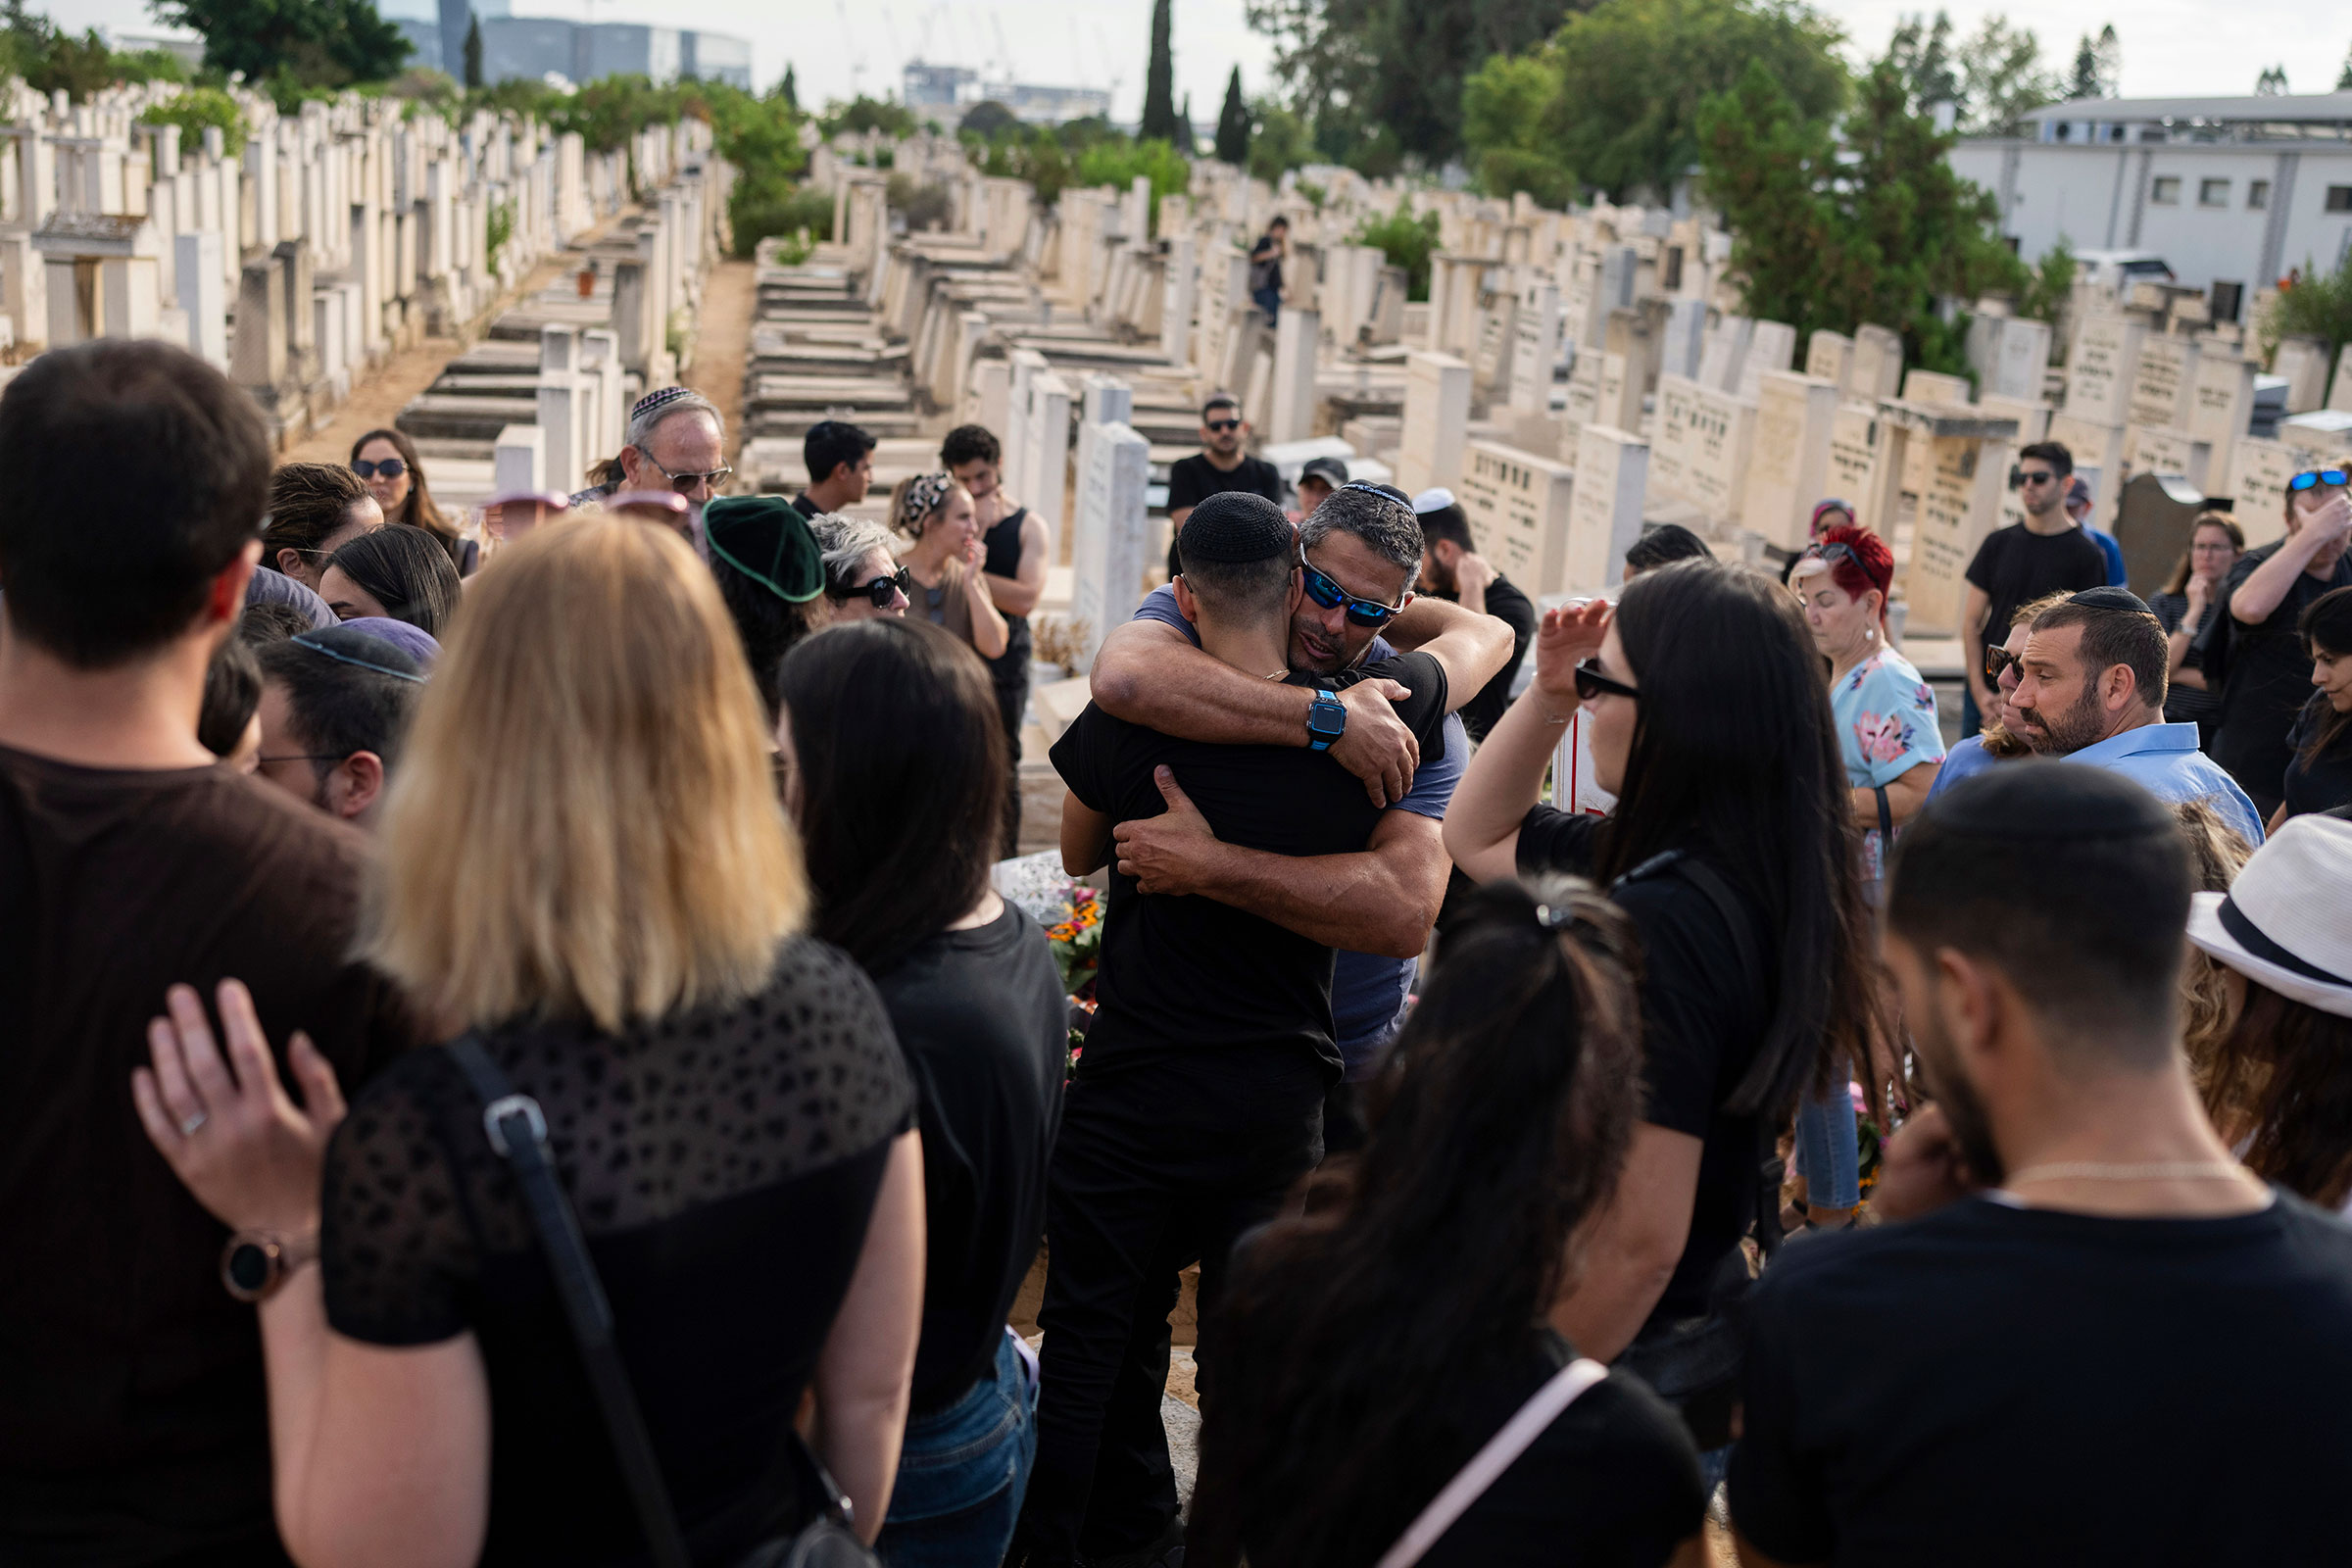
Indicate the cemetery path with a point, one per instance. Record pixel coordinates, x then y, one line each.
722 341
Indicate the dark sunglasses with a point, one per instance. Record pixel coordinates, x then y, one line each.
1220 426
2018 478
882 590
1832 552
2316 477
1999 659
1591 683
389 468
1331 595
684 482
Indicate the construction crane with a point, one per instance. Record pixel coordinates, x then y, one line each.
1103 50
848 47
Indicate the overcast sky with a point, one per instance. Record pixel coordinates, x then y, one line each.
2171 47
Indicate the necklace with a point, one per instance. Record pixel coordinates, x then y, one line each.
2090 1170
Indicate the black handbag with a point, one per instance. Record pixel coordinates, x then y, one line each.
517 1131
1694 1364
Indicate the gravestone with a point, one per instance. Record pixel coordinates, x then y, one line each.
1936 389
2259 471
2032 425
1788 468
1111 549
2164 388
1297 337
2021 360
1517 503
203 295
1726 350
2303 362
259 353
2339 390
1436 416
1620 402
2221 409
1047 472
1831 357
1700 449
2092 445
1604 508
1959 506
984 400
2103 368
1538 347
1584 390
1878 362
1686 337
1771 347
2150 450
1855 451
519 461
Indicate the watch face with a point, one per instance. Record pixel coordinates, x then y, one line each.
247 1267
1325 717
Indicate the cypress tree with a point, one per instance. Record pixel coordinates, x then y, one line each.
473 51
791 89
1159 78
1233 123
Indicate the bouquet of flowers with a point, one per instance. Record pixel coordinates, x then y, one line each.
1076 941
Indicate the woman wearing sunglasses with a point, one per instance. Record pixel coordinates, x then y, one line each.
2003 736
862 577
945 560
1731 848
386 463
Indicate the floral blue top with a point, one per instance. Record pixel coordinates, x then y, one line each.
1887 726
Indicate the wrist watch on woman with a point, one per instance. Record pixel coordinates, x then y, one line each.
255 1263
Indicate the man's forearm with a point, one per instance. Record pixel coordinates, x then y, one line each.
1168 685
1360 903
1012 595
2259 595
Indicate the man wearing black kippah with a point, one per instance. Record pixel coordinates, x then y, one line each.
1198 1100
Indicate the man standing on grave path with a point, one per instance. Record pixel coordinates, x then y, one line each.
1219 466
1453 568
1014 570
1152 672
839 459
2091 689
2255 652
1266 257
676 441
1199 1101
2046 553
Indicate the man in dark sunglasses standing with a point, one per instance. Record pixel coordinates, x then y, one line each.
2043 554
1219 466
2255 652
676 441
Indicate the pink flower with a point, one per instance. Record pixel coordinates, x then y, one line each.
1881 736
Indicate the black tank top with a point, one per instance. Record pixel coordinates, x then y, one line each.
1003 543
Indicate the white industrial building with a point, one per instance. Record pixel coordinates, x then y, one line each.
944 93
2232 193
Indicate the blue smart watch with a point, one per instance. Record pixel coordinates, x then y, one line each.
1326 721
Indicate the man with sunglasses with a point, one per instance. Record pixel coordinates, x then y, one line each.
2045 554
1219 466
1200 1101
676 441
2255 652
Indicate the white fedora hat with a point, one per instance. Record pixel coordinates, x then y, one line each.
2286 921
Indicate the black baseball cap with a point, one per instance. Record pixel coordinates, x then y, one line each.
1331 471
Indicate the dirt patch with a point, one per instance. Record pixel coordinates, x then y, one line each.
722 341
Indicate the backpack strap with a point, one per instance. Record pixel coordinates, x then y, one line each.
1542 1407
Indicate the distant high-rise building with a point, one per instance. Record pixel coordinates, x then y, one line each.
533 47
945 92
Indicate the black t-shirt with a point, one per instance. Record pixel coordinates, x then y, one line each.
2324 782
1701 1021
1265 266
982 1020
1506 604
2265 675
1194 479
133 1427
1179 975
1998 1384
1011 669
2182 703
723 1163
2016 566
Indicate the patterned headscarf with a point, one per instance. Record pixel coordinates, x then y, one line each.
922 496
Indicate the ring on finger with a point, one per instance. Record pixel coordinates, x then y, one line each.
188 1128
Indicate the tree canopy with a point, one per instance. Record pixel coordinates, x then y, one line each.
292 44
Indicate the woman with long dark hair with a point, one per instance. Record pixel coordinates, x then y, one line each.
392 574
386 461
1733 849
1367 1349
2318 775
2184 605
895 765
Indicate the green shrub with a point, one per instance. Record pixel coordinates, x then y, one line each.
198 107
1406 241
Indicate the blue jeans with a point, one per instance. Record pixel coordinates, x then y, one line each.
963 1471
1269 300
1827 1150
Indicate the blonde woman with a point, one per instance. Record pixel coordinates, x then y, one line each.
586 869
949 588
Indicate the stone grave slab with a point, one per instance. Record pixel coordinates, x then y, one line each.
1788 468
1517 503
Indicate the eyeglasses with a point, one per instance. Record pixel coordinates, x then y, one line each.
1220 426
1832 552
882 590
302 757
1591 683
2018 478
389 468
1999 661
684 482
2313 479
1331 595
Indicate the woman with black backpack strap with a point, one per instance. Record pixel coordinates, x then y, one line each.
1732 849
588 884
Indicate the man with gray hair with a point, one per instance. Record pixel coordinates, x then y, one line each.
676 441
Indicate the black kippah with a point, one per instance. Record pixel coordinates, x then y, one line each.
2111 599
2048 800
1234 527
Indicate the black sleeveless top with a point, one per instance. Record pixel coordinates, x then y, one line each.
1003 543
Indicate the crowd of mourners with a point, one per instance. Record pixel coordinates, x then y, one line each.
513 1048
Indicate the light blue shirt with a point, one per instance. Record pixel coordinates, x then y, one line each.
1885 718
1967 759
2164 760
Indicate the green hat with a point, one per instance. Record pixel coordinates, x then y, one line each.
768 541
